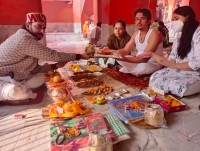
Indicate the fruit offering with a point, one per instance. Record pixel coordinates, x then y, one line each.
89 83
62 109
100 99
92 68
75 67
152 93
102 89
54 80
105 51
50 74
58 94
81 76
57 82
170 101
92 100
57 78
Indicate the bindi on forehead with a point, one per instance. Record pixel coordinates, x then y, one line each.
139 15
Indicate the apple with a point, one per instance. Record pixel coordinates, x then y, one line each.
76 69
57 78
100 98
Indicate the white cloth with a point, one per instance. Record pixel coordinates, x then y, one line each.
142 68
91 27
95 36
180 82
93 32
138 68
13 90
109 61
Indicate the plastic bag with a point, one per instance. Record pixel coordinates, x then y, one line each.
154 115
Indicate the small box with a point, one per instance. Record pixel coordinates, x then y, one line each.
167 107
117 107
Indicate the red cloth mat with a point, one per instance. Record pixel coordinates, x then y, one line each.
141 82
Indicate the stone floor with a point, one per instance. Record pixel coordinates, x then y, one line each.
66 42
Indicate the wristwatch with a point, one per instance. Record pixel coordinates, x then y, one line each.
54 66
78 56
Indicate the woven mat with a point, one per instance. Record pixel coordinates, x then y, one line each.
140 83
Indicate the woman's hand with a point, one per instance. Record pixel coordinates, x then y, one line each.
161 60
168 63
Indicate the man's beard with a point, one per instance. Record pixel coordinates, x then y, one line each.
39 36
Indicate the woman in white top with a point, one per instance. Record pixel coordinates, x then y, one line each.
182 73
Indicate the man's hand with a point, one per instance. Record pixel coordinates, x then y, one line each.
85 56
118 55
82 56
145 55
61 64
148 55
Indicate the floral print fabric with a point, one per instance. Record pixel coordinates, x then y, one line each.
178 81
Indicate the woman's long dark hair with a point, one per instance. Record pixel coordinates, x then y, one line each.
188 30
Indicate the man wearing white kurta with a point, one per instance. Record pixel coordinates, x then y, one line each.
19 55
143 40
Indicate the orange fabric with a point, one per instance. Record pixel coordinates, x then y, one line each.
85 29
